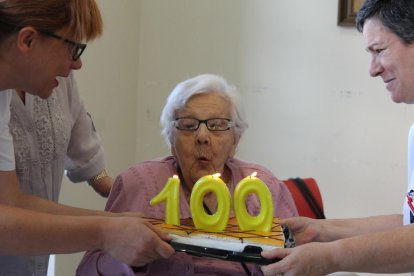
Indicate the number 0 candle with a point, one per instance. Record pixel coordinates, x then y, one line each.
171 194
218 220
261 222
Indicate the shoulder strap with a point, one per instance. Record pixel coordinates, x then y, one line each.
309 197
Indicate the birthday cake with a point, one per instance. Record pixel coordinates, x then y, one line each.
230 244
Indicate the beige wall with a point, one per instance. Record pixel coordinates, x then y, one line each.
311 106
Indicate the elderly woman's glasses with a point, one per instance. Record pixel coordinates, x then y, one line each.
77 48
192 124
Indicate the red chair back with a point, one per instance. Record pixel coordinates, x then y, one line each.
307 197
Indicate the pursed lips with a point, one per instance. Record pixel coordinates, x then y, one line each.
203 155
203 159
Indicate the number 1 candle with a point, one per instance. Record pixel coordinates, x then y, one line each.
218 220
171 194
261 222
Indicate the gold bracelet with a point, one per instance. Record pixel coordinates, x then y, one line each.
100 175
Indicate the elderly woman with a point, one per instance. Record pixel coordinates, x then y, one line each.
202 124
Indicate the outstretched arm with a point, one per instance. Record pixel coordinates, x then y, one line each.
383 250
10 194
25 232
324 230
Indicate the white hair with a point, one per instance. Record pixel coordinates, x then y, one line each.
197 85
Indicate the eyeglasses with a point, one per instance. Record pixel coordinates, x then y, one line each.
192 124
77 48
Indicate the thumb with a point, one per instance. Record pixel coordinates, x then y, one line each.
287 221
164 249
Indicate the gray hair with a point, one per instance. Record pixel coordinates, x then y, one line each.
197 85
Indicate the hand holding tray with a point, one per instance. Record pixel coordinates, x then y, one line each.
230 244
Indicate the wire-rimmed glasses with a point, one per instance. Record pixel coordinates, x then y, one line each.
192 124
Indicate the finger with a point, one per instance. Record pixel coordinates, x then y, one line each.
271 270
290 222
163 235
161 248
286 221
151 254
164 250
275 253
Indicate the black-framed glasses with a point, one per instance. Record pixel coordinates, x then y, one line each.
192 124
77 48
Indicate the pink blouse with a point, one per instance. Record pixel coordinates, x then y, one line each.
133 190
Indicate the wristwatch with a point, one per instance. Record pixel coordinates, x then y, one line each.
95 178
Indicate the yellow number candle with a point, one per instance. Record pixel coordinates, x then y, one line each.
171 194
261 222
218 220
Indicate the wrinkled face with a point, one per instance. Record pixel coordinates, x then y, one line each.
45 58
202 152
392 60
